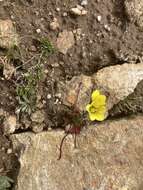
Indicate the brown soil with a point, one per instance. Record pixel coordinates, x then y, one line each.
8 159
97 49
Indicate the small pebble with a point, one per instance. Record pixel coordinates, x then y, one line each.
9 151
55 64
107 27
56 102
78 10
84 2
33 48
54 24
49 96
46 71
58 9
99 18
50 14
65 14
58 95
38 30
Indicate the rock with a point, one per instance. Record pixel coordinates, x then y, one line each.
78 11
118 81
9 125
38 116
132 104
134 9
72 88
54 24
8 35
8 68
37 128
108 156
25 122
99 17
9 151
84 2
65 41
38 30
2 112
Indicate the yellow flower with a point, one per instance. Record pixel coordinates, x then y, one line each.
97 108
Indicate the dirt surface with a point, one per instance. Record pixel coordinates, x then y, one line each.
8 162
96 49
103 37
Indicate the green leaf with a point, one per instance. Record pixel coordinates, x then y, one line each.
5 182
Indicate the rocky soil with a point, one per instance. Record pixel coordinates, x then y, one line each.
47 50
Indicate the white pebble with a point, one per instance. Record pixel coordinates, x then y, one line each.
58 9
9 151
54 24
99 18
49 96
107 27
38 30
65 14
78 10
84 2
58 95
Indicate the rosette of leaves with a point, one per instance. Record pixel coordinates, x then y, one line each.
5 182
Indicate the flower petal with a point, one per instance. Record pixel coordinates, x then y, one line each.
92 116
99 101
99 116
95 93
88 107
101 109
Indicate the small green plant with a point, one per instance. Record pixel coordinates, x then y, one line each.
5 182
13 53
46 46
27 91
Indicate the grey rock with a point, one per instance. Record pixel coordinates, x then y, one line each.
65 41
9 125
8 69
108 156
54 24
117 82
8 35
38 116
134 9
37 128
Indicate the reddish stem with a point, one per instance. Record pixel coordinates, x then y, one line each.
61 145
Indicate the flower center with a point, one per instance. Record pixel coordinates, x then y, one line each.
93 109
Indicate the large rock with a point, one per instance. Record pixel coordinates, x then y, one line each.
117 82
8 35
134 9
108 156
